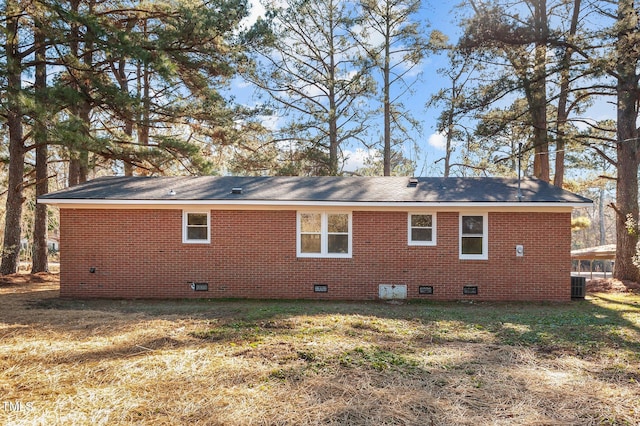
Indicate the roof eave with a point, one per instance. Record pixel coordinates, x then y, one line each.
105 203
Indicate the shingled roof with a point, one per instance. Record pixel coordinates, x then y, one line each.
352 190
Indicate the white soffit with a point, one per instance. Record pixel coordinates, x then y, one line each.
284 205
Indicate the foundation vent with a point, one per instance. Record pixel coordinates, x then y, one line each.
470 290
425 289
200 286
320 288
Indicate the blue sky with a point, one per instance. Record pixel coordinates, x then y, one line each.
438 16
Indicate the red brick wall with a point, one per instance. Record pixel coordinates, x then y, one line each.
139 253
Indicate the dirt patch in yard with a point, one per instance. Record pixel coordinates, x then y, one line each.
38 285
14 280
611 285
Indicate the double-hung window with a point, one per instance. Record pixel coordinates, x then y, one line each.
324 234
422 229
473 236
196 227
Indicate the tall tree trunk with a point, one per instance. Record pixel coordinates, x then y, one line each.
78 167
333 119
86 104
128 130
538 94
626 205
387 127
144 123
39 256
563 113
387 98
120 73
79 159
603 237
15 198
73 177
333 139
85 116
450 129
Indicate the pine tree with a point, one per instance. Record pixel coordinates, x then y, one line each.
402 48
317 79
14 56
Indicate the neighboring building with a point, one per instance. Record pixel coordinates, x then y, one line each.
316 238
53 244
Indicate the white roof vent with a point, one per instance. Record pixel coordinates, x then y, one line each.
236 190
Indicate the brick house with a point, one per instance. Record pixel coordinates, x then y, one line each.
316 238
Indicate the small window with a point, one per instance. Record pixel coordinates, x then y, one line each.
338 233
310 233
195 227
422 229
323 234
473 237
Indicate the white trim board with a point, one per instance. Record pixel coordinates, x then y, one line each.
295 205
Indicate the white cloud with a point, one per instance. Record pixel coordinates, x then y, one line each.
271 122
356 159
438 141
600 110
256 10
241 84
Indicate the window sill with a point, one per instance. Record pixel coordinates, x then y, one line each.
323 256
473 258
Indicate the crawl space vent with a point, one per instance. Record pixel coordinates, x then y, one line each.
470 289
200 286
425 289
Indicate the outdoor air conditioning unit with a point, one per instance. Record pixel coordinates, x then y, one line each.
578 287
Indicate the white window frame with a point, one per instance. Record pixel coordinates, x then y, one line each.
324 234
185 215
410 241
485 238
